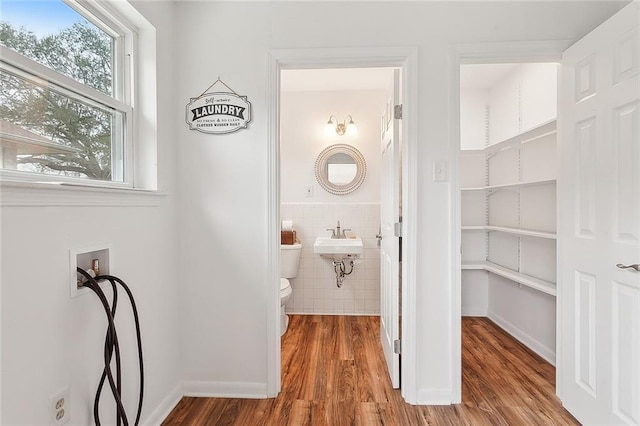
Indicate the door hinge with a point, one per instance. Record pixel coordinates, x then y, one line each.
397 347
397 229
397 112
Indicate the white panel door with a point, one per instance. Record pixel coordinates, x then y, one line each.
599 223
389 243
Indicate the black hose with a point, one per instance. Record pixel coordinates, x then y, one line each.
112 347
110 342
134 308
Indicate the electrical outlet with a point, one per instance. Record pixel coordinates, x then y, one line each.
60 408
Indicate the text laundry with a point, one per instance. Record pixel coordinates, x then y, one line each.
219 109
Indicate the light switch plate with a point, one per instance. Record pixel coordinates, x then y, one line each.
441 171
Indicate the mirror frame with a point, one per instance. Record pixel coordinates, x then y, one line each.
321 169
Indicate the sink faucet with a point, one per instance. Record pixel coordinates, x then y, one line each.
335 233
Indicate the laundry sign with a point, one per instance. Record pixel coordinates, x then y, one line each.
218 112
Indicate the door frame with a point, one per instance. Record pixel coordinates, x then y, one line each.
485 53
405 58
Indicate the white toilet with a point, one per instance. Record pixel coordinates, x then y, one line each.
289 261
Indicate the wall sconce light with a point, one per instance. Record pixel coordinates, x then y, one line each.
341 128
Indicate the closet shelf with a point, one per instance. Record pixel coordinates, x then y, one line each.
538 132
545 129
510 185
524 279
525 232
474 265
516 231
474 227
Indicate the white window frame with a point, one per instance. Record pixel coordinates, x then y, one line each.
121 21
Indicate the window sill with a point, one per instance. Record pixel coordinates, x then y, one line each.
15 193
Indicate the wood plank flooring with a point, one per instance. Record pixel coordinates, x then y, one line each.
334 373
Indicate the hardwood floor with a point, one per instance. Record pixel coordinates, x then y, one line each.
334 373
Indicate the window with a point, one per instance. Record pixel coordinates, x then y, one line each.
65 96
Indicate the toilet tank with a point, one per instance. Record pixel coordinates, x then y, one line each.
289 260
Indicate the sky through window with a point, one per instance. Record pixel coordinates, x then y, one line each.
42 17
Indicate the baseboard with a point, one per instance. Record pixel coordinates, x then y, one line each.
353 314
225 389
546 353
161 412
434 397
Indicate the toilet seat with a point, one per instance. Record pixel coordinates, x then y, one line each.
285 290
285 294
284 283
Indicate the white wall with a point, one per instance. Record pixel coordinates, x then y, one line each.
527 314
473 118
50 341
302 137
504 115
538 106
522 100
474 283
475 293
223 179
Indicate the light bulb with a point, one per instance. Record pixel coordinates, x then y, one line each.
330 129
352 130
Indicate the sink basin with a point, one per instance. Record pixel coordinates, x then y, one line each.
338 246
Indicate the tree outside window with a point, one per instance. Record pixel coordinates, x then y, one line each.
52 129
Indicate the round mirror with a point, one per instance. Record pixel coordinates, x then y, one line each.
340 169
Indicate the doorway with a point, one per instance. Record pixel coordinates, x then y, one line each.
403 58
314 103
508 169
320 198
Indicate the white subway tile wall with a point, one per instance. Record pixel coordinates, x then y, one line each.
314 289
